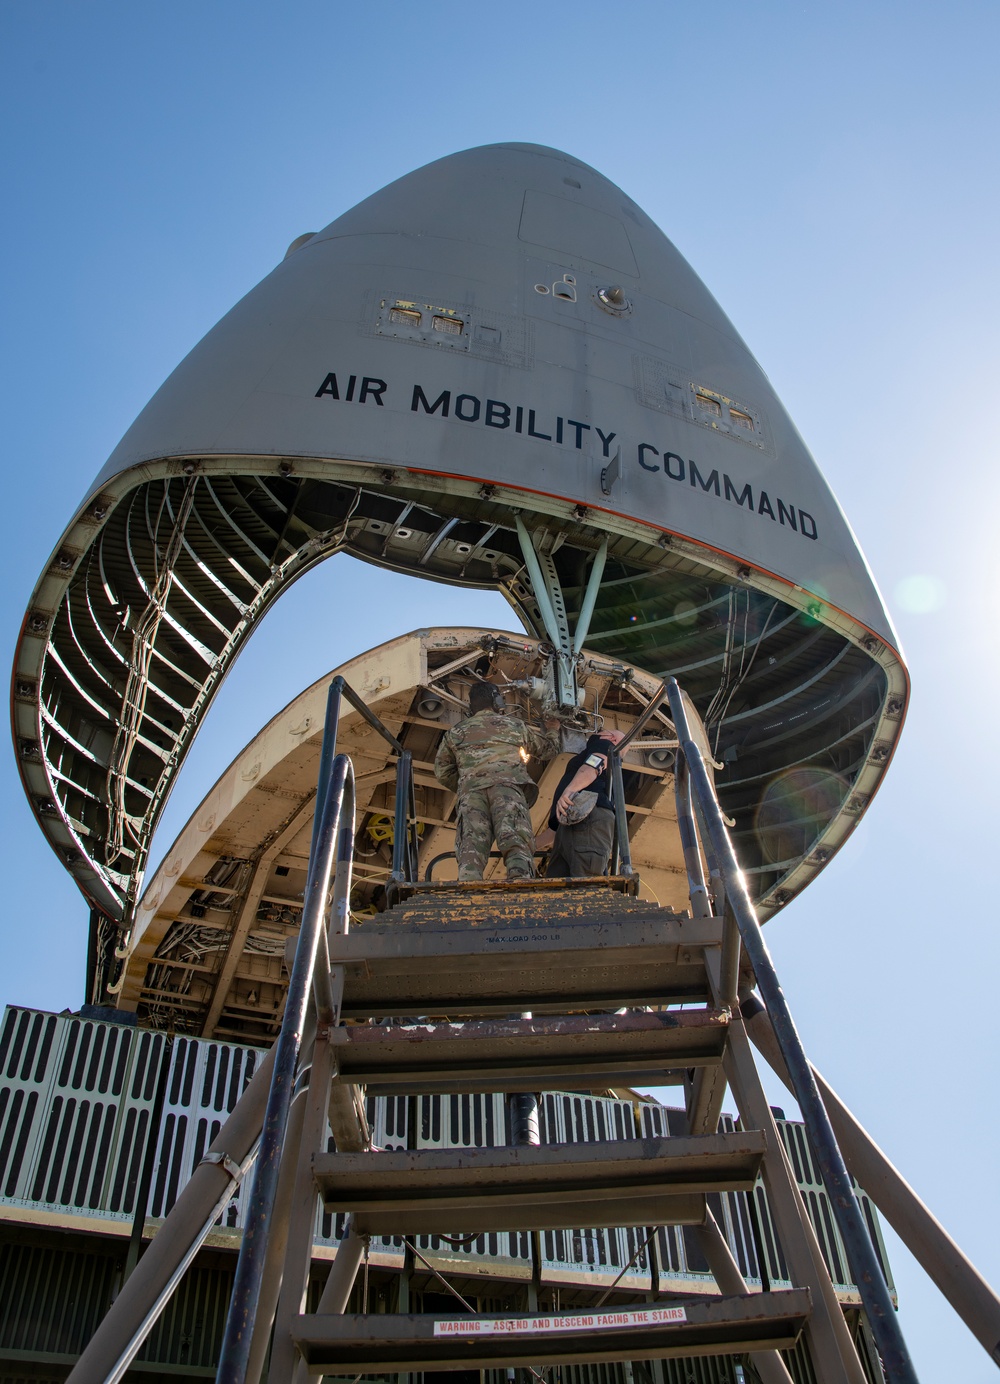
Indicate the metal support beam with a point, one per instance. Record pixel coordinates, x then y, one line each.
590 597
926 1239
854 1233
726 1272
831 1349
137 1307
277 1242
548 594
246 1288
302 1213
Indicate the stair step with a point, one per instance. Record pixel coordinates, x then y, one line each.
540 1187
475 904
545 967
580 1051
347 1344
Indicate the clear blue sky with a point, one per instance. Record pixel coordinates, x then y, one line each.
829 169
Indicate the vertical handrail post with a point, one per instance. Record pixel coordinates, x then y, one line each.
328 750
860 1253
399 821
623 847
697 889
237 1340
412 835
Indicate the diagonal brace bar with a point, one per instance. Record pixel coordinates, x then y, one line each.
857 1243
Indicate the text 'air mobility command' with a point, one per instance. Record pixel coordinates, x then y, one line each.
569 432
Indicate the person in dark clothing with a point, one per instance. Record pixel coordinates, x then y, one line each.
583 843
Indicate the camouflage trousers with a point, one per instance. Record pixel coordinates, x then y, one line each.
497 813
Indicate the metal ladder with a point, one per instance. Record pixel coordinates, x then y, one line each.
479 954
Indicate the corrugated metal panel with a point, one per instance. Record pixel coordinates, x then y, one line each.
190 1331
74 1110
205 1081
713 1369
26 1043
821 1213
51 1301
76 1097
470 1121
389 1122
583 1256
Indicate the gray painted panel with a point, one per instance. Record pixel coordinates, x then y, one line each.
254 386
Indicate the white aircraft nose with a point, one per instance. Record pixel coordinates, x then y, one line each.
499 341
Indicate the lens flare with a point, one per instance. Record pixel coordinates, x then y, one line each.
920 594
794 809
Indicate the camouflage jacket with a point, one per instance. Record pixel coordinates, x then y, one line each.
487 749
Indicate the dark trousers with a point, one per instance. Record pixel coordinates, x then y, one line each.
584 849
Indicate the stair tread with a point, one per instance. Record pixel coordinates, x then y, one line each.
658 1181
401 969
518 1054
731 1325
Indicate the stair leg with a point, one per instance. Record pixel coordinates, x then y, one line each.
726 1272
834 1357
302 1213
146 1293
337 1290
277 1241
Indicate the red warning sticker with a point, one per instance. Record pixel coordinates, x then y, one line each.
539 1326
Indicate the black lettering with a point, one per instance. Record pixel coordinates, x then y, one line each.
442 402
605 441
559 426
329 386
745 497
350 388
711 483
581 428
787 512
646 447
494 410
764 505
518 418
803 516
470 417
547 437
668 457
376 388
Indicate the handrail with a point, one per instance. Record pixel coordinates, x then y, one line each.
857 1242
400 839
148 1290
341 687
647 714
327 863
404 842
622 861
687 827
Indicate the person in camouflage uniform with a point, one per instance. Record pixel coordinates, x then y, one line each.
482 759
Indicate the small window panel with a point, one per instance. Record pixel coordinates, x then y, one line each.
742 420
710 405
404 317
451 326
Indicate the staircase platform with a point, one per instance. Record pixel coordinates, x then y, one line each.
582 1052
373 1344
425 958
538 1187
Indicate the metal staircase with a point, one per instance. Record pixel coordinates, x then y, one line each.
548 984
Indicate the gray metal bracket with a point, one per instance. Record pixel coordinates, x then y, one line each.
540 562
